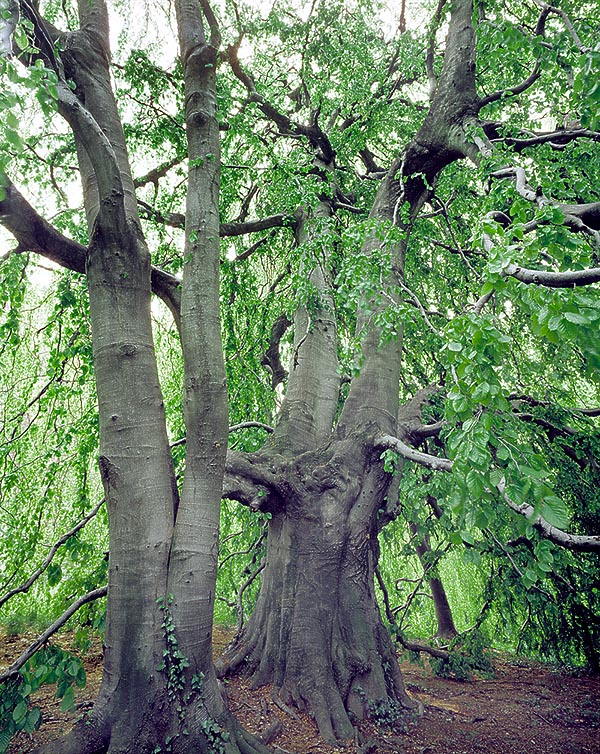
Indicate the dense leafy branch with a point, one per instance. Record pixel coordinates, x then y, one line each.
578 542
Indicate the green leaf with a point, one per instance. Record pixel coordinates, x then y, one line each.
467 537
68 699
555 512
4 740
20 712
578 319
54 574
34 719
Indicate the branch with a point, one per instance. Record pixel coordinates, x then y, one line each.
98 147
253 226
557 139
533 76
247 425
315 135
513 90
177 220
435 24
414 646
34 233
554 279
547 8
58 623
233 428
240 594
425 459
271 359
25 586
575 542
160 171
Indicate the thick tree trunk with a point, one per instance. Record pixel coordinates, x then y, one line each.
316 633
159 691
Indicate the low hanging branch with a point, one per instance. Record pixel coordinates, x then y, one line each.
51 630
25 586
576 542
412 646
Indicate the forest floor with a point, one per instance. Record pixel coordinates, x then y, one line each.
527 707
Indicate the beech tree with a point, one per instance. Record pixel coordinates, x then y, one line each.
414 327
158 685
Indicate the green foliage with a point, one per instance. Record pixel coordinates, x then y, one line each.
370 94
467 654
50 665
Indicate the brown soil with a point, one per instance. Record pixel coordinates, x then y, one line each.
526 709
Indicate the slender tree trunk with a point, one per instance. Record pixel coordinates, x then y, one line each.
445 622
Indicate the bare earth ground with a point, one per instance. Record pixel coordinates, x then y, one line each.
526 709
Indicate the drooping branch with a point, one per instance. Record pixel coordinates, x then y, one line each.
233 428
583 218
576 542
26 585
95 594
286 125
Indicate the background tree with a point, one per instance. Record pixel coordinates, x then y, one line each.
427 303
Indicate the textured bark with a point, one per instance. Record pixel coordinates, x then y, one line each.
158 683
316 633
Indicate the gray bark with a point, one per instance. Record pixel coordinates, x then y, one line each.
159 545
316 633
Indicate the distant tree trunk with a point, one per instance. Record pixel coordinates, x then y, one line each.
316 632
445 622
